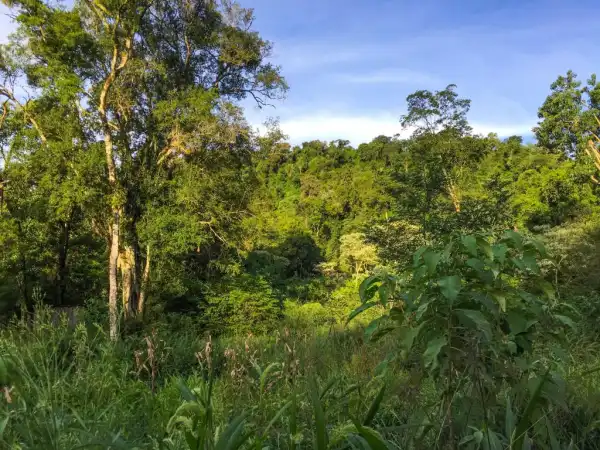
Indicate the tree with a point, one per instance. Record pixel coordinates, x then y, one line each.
140 73
567 115
442 152
356 255
432 112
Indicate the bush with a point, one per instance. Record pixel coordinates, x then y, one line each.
241 305
307 314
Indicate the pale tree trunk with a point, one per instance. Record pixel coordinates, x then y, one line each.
145 281
128 267
113 259
134 283
454 193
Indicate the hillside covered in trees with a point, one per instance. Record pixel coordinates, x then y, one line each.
438 290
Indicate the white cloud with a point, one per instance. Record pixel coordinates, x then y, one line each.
305 57
363 128
389 76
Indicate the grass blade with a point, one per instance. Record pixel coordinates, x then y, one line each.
319 415
375 406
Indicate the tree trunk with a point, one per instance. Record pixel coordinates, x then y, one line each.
113 260
145 281
129 264
62 270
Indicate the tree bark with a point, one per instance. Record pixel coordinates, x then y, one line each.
113 259
129 264
145 281
62 269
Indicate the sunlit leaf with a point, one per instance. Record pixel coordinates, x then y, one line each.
366 289
362 308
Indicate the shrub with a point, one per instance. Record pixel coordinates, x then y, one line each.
241 305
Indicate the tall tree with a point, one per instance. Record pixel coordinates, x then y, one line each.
567 115
156 80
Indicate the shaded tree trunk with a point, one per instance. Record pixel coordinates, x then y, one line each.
62 269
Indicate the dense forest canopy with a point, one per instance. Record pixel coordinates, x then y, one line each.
132 185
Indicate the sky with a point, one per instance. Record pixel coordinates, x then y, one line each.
351 63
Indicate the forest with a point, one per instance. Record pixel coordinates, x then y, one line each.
172 278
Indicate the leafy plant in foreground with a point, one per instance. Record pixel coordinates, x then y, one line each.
474 310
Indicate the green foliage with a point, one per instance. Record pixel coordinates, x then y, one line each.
474 309
568 115
242 305
132 123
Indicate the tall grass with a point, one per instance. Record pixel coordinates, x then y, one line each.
176 388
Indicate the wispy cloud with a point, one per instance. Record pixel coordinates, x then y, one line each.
362 128
389 76
301 57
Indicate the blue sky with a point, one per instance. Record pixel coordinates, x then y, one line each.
351 63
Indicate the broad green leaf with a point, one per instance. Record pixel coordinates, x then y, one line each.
518 263
380 332
470 243
484 274
417 256
431 259
538 246
491 441
447 251
384 294
500 251
476 264
450 287
232 437
372 327
500 297
513 238
408 336
548 289
476 318
419 273
466 440
566 320
517 322
422 309
530 261
366 290
357 442
431 354
485 247
374 439
362 308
